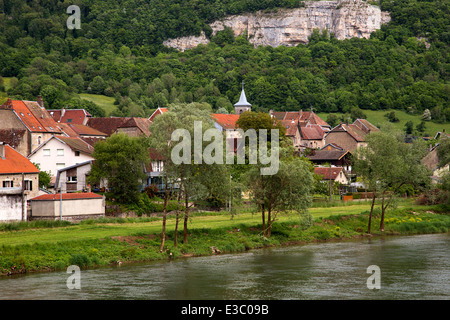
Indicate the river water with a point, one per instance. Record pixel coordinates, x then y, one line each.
410 267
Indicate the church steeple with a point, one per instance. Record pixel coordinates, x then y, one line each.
242 105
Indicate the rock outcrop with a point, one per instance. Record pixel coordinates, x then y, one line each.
289 27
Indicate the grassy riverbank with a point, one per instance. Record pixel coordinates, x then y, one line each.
49 246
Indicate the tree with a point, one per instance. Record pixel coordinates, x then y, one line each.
387 164
289 189
120 160
409 127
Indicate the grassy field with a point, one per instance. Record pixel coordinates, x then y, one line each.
32 246
106 103
377 118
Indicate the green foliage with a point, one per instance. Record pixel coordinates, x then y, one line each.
119 161
118 52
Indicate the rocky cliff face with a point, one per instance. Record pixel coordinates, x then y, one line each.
289 27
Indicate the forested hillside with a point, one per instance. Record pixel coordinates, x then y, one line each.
118 52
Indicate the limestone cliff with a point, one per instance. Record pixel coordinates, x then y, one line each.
289 27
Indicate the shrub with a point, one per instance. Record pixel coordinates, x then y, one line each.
80 260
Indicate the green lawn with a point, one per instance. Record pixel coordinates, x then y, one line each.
107 241
104 102
377 118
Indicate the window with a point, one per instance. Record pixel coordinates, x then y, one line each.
8 184
28 185
60 152
77 153
72 179
60 166
46 152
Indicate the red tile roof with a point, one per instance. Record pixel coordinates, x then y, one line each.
312 132
291 127
33 116
305 117
107 125
226 121
67 196
142 124
15 163
325 172
83 130
157 112
75 116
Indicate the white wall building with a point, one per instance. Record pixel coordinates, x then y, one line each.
59 152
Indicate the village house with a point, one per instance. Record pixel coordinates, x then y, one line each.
74 178
68 206
335 174
312 136
59 152
431 161
107 125
350 137
19 181
73 116
16 171
135 127
157 112
333 155
306 129
25 125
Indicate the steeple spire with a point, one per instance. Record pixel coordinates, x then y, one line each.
242 105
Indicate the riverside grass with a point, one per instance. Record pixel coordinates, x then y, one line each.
53 246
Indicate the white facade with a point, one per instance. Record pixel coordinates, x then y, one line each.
54 155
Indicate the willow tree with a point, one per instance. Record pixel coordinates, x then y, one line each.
387 164
289 189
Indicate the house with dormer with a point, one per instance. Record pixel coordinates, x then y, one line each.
26 124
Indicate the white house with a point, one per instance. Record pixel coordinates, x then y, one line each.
74 178
59 152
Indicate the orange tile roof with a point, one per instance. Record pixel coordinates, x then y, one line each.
226 121
67 196
157 112
15 163
33 116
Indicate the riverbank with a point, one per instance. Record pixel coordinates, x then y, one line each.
94 243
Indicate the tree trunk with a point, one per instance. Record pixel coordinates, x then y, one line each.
263 220
269 222
186 216
382 214
175 241
371 211
163 240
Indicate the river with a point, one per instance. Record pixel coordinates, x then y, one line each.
410 267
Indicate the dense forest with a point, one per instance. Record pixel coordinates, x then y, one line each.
118 52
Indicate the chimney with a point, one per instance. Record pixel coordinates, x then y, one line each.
63 111
2 151
40 101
